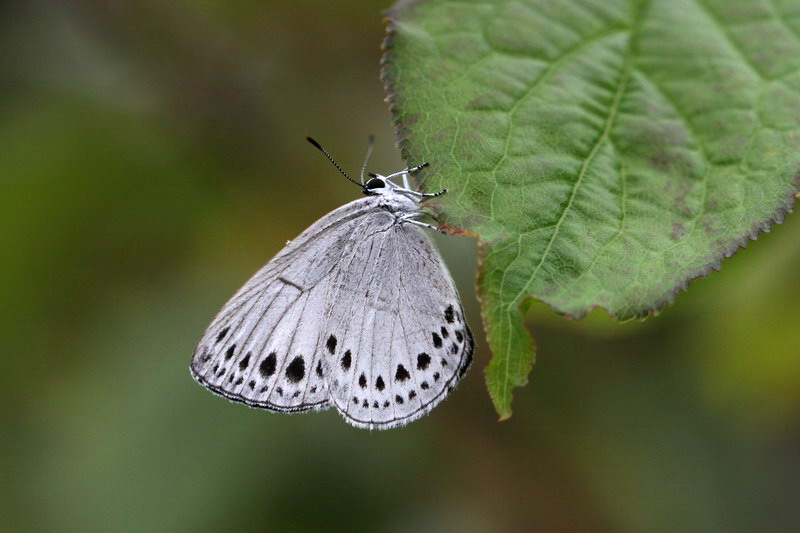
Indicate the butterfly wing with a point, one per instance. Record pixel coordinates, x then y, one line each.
401 340
358 311
263 348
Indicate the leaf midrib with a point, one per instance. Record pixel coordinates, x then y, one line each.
627 69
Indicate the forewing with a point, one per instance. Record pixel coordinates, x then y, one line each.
402 343
264 346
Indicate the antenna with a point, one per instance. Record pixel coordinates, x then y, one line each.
366 159
321 149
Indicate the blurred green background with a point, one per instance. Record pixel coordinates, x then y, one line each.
152 158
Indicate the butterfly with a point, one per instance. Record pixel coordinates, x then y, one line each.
358 313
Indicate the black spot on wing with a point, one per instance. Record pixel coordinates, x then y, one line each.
319 369
454 348
398 399
229 352
437 340
222 334
362 381
445 333
379 384
331 344
296 369
267 366
401 374
347 360
423 360
448 314
244 362
459 336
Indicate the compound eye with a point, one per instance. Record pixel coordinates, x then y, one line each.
375 183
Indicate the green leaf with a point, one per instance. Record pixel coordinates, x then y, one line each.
604 152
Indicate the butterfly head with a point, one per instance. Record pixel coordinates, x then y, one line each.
377 184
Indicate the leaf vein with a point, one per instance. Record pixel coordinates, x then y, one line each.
610 119
714 17
548 72
779 15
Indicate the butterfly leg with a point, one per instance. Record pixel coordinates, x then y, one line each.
421 194
405 174
410 219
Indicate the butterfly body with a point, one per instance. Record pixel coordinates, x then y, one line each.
358 313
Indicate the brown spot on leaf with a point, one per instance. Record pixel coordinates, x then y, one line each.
678 231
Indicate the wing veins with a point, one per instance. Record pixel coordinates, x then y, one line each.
271 272
326 321
375 268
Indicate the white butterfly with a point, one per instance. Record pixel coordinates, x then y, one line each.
359 313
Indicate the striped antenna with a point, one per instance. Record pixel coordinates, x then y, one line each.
321 149
366 159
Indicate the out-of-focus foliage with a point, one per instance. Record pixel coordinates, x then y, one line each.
152 158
